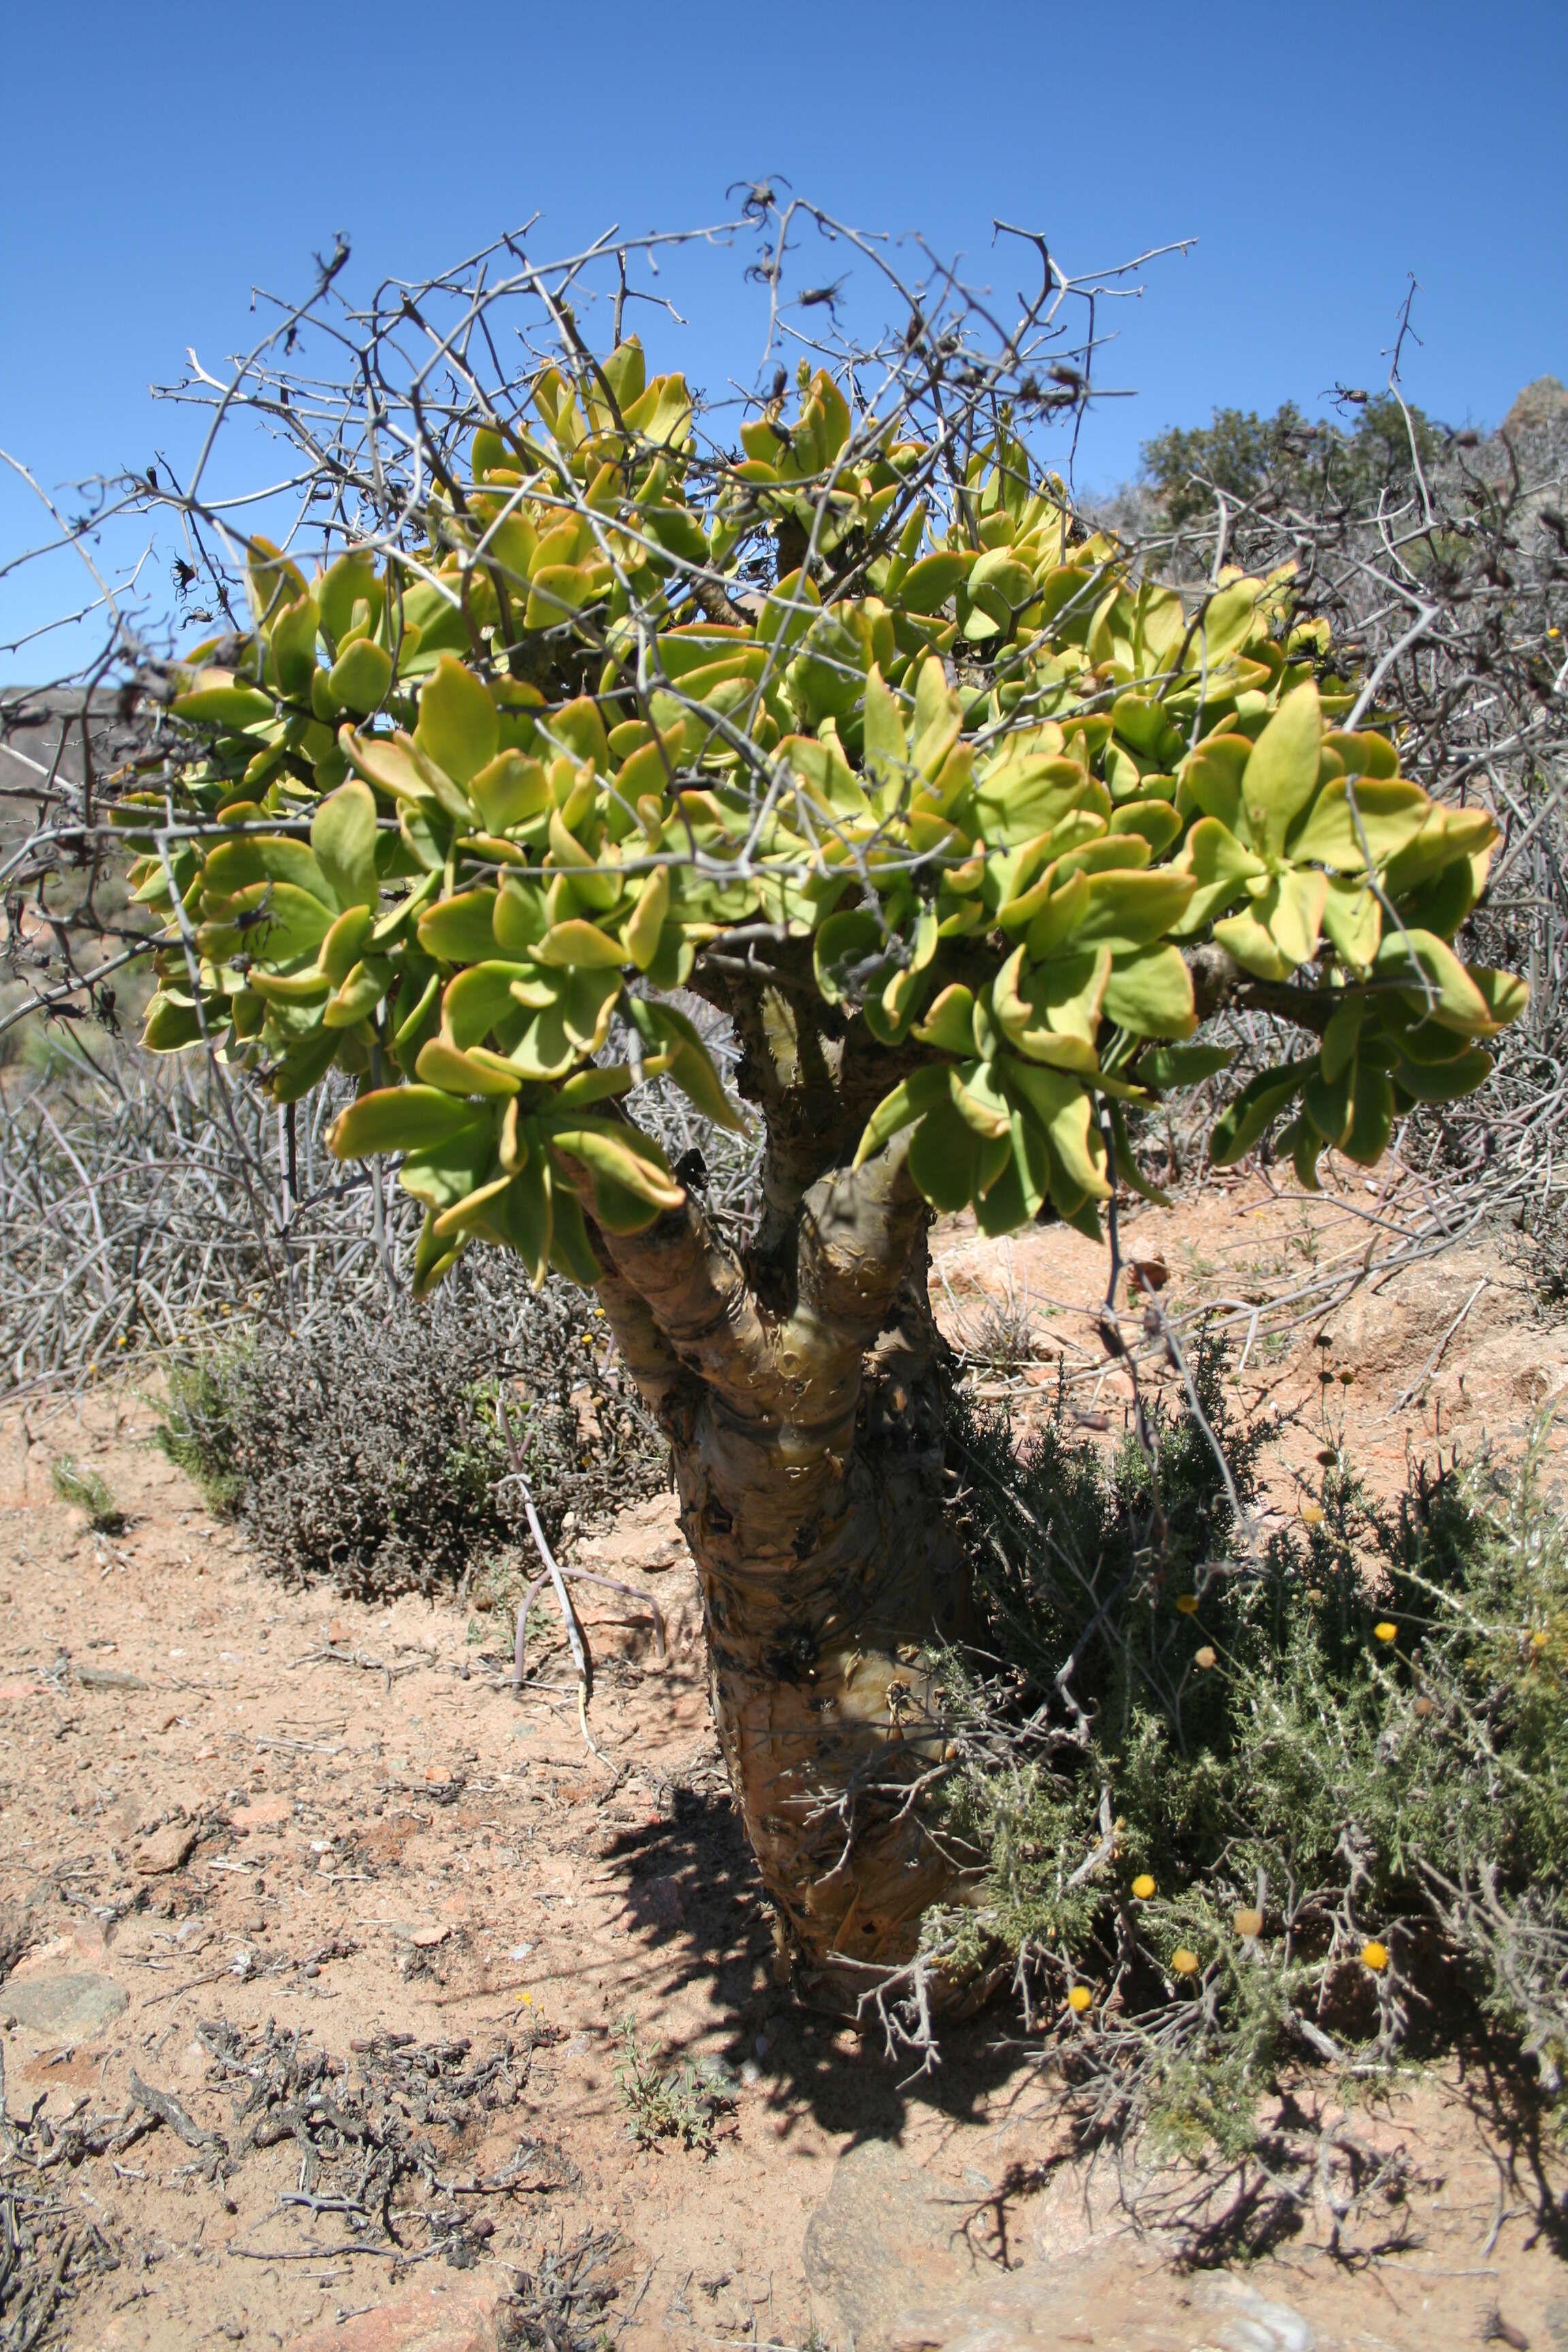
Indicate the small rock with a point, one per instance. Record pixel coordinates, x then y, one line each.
339 1633
425 1939
665 1900
262 1813
66 2007
918 2331
461 2315
1258 2323
167 1849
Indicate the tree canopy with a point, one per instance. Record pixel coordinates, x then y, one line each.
1287 461
465 818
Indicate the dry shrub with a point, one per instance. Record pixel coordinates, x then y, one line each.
364 1452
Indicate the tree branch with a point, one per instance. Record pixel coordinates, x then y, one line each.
857 1230
697 1301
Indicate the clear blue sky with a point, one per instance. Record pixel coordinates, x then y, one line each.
161 158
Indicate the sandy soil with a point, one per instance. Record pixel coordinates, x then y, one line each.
244 1827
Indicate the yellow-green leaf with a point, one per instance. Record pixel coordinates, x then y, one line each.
1150 992
1352 919
1132 909
214 700
640 933
909 1100
361 991
441 1064
581 945
476 998
360 677
509 789
458 724
1281 776
397 1119
1437 981
1391 814
1220 868
460 930
949 1024
343 836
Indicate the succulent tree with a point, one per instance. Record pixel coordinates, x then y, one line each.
844 725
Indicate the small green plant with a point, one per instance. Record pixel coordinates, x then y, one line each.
681 2105
86 1491
194 1430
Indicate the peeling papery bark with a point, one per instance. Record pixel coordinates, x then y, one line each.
809 1439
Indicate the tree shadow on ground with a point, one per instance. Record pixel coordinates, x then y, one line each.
693 1894
693 1888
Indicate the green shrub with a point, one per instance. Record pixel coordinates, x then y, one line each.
1285 461
1340 1754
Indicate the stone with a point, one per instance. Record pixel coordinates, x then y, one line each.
263 1813
457 2314
167 1849
665 1900
884 2242
65 2008
1544 402
1256 2323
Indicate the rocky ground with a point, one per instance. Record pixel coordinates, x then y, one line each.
333 1965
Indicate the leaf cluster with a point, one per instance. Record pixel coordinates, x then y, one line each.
462 821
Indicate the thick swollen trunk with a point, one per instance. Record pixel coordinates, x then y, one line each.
809 1448
826 1590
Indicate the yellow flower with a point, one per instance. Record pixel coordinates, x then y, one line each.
1384 1632
1184 1962
1374 1955
1539 1640
1079 1999
1144 1886
1187 1603
1248 1923
1313 1513
1205 1657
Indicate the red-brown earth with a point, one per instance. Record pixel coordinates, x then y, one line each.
231 1808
